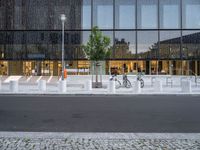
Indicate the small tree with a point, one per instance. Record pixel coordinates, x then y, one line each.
97 49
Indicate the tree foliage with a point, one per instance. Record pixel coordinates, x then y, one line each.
98 47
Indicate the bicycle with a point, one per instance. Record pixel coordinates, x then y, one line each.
126 82
118 84
139 78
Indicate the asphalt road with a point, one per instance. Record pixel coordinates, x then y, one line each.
100 114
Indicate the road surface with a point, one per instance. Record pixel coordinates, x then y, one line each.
144 114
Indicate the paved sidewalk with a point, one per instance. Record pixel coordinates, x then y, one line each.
98 141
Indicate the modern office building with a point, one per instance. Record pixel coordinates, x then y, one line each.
153 36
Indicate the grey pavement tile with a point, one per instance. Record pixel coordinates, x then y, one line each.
98 144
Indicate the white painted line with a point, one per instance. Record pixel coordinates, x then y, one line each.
38 79
29 78
49 80
102 135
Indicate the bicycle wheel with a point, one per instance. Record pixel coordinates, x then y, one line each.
142 83
127 83
117 84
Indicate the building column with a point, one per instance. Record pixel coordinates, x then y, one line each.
55 68
170 67
196 68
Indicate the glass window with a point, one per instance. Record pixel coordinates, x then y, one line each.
2 43
103 14
2 14
191 14
14 47
84 39
110 35
125 44
86 14
191 44
147 44
125 14
54 44
170 44
37 14
37 45
147 14
169 14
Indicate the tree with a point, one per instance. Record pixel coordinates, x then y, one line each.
97 49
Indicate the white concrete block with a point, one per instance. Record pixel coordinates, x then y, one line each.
88 85
136 87
14 86
111 87
62 86
0 84
158 86
42 85
186 86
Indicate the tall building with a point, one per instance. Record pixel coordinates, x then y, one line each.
153 36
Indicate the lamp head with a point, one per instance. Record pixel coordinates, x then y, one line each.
63 17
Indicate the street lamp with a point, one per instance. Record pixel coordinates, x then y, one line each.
63 18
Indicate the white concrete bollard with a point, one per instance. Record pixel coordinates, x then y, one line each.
186 86
62 86
158 86
111 87
136 87
14 86
42 85
88 85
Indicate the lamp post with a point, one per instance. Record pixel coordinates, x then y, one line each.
63 18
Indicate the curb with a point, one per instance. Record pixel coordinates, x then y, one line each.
100 135
81 94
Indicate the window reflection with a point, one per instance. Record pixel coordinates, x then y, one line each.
147 44
191 15
125 14
170 44
125 44
86 14
147 14
170 14
103 14
191 44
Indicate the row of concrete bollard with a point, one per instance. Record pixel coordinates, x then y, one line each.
62 86
14 86
157 87
42 87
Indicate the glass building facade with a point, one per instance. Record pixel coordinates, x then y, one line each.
153 36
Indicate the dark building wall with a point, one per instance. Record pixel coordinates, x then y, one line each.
39 14
31 29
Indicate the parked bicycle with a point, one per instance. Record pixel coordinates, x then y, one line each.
139 78
118 84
